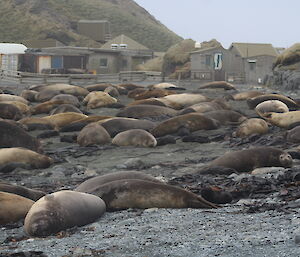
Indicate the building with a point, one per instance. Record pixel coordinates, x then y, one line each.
241 63
9 55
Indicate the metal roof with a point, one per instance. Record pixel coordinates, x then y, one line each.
254 49
8 48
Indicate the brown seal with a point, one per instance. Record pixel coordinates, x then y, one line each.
12 135
136 92
117 125
65 108
23 108
10 111
29 95
67 99
192 121
293 135
129 86
163 85
112 91
45 107
187 99
271 106
98 87
246 95
218 84
250 159
61 210
91 184
142 194
62 119
7 97
13 207
93 133
153 93
253 102
226 116
282 120
252 126
135 137
143 111
24 156
22 191
98 99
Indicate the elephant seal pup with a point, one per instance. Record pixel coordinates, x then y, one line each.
246 95
135 137
98 99
112 91
141 194
29 95
24 156
7 97
22 191
66 99
14 136
91 184
192 121
93 134
252 126
226 116
13 207
253 102
65 108
218 84
136 92
146 111
10 112
117 125
163 85
24 108
293 135
61 210
45 107
250 159
187 99
271 106
283 120
62 119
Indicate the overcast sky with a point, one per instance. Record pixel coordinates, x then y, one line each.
253 21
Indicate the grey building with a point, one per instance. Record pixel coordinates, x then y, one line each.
241 63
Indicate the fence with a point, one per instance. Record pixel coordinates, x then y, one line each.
39 78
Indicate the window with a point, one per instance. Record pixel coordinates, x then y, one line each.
207 60
103 62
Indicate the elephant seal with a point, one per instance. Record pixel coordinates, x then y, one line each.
98 99
10 111
186 99
271 106
226 116
24 156
112 91
293 135
29 95
91 184
218 84
252 126
135 137
282 120
129 86
62 119
22 191
153 93
98 87
142 194
23 108
163 85
246 95
117 125
146 111
13 207
66 99
14 136
193 122
65 108
253 102
61 210
67 89
93 133
46 95
136 92
7 97
45 107
250 159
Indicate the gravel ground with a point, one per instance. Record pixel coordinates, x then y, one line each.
227 231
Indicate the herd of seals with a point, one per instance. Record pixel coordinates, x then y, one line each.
152 116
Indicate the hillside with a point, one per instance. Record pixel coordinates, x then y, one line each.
21 20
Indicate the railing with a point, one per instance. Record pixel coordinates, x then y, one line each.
39 78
